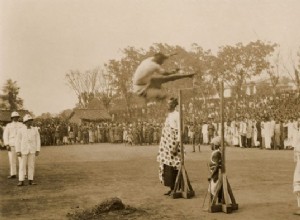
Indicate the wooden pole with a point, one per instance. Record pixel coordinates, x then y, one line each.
227 203
180 127
222 125
183 187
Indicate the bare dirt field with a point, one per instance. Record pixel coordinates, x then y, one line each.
81 176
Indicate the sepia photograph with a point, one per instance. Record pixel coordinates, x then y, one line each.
149 109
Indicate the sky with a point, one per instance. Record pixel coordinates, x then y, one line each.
41 40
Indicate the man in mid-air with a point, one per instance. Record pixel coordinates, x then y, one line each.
149 77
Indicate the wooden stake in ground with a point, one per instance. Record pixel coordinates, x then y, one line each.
183 187
227 203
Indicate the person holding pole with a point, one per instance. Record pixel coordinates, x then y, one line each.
149 77
169 155
215 165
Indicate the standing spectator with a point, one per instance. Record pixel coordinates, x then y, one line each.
57 136
9 138
214 167
91 134
155 134
28 145
272 130
267 130
205 133
146 133
249 133
99 135
65 135
243 132
228 132
85 134
277 135
235 133
151 134
140 133
259 131
186 134
129 135
169 154
119 133
71 134
296 181
79 135
52 133
1 137
125 135
211 131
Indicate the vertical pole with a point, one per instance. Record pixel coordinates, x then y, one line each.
180 127
222 125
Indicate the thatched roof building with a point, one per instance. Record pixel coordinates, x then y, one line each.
95 112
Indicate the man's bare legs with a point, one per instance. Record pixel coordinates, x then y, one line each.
153 90
157 80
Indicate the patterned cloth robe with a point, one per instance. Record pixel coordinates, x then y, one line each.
167 144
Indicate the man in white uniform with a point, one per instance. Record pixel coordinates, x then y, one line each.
205 133
296 182
267 132
28 146
9 138
149 77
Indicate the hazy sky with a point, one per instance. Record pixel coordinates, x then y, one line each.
41 40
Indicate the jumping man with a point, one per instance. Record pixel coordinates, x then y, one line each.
149 77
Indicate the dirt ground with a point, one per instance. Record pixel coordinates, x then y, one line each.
80 176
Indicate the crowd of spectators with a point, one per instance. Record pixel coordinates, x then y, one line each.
139 133
264 122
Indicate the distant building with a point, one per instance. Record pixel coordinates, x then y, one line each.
95 112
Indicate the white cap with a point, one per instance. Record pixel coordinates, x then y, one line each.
14 114
27 117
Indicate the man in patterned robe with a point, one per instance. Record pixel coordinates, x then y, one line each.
169 155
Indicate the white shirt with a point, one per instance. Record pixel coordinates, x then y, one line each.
173 120
243 128
28 140
10 133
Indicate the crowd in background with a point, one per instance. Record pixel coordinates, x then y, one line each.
140 133
264 122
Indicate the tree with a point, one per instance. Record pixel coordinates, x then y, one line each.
274 72
106 91
294 73
10 96
46 115
65 114
90 84
236 64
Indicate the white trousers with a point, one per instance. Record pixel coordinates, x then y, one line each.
12 157
27 160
